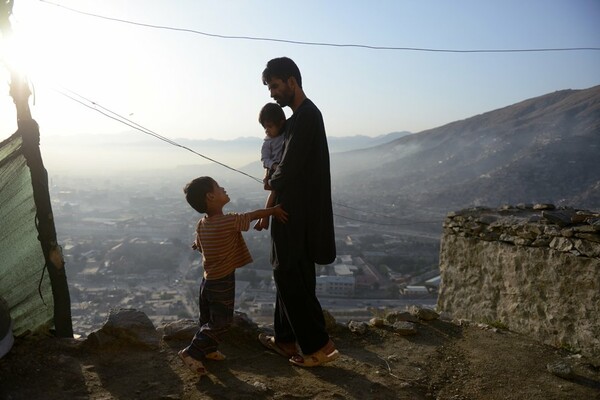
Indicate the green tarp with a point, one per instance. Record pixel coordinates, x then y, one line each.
32 276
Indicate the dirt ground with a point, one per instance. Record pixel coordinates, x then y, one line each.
444 360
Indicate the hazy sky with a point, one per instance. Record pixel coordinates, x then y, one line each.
188 85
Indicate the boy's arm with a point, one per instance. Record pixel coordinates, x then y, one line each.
276 211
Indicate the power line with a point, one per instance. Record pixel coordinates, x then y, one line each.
112 115
298 42
132 124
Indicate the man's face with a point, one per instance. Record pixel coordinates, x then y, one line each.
281 91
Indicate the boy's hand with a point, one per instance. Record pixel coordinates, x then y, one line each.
261 224
196 247
280 214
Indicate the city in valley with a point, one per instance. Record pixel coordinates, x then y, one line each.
127 244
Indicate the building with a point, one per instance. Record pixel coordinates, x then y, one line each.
342 286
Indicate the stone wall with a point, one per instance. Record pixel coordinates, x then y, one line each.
533 269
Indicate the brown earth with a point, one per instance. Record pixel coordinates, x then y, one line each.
444 360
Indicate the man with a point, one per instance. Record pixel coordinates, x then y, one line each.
303 188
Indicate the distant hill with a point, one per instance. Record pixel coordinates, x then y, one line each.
347 143
131 151
545 149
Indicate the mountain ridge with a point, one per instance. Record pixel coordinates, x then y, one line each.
539 150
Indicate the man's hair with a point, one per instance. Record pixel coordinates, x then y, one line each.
196 191
282 68
271 112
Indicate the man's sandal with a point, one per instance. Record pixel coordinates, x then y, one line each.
216 356
284 350
193 364
327 354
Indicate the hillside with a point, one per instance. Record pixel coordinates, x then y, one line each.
543 149
444 360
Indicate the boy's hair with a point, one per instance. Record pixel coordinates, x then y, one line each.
271 112
196 191
282 68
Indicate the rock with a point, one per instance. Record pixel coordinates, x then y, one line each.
377 322
589 249
507 238
331 324
560 369
519 241
244 323
561 244
400 316
543 285
360 328
445 316
260 386
559 217
542 206
183 329
405 328
541 241
487 219
592 237
586 228
523 206
128 326
568 232
426 314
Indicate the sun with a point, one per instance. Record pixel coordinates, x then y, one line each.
54 51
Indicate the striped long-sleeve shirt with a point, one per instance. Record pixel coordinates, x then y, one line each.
220 240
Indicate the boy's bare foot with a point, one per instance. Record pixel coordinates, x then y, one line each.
193 364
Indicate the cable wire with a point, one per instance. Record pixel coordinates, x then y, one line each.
298 42
112 115
126 121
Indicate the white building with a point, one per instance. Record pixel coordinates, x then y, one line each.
415 291
335 286
344 270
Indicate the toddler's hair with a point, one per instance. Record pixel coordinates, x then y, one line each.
271 112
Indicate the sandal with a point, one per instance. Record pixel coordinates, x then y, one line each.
327 354
193 364
269 342
216 356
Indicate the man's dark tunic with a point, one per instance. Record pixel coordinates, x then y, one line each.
303 186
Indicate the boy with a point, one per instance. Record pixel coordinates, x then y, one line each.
272 118
219 239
